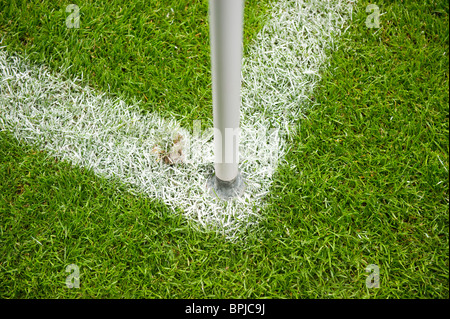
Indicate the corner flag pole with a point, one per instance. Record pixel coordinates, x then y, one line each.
226 29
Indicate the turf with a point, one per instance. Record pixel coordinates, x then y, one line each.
134 49
366 182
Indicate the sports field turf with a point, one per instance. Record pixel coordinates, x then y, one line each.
365 181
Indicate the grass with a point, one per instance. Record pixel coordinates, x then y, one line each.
133 50
366 182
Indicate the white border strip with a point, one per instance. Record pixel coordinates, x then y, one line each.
116 140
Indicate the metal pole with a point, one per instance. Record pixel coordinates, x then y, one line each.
226 29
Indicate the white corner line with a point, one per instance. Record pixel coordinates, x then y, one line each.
116 140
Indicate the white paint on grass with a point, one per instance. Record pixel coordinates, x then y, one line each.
116 140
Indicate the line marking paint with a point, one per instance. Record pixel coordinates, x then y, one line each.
116 140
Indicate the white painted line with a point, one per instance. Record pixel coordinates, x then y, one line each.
116 140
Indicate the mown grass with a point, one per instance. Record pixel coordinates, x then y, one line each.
366 182
134 50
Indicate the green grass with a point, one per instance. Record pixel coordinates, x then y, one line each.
366 182
133 49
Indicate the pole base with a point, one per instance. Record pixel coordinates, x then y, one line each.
226 189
